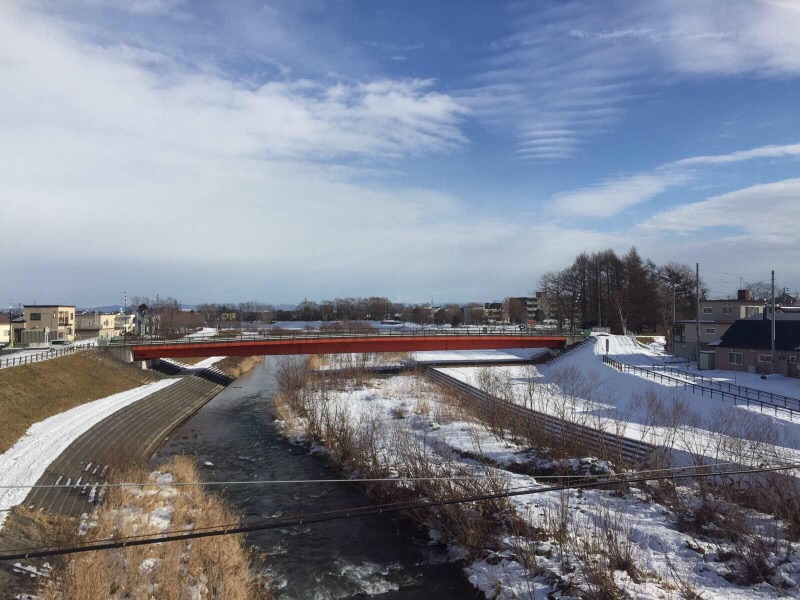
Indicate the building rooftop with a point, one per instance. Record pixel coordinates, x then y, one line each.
757 335
48 306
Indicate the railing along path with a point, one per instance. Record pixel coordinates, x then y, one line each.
27 359
779 404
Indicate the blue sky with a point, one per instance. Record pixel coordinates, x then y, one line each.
448 150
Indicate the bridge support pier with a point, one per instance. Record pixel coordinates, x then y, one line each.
125 354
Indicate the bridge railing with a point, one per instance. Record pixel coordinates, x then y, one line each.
268 335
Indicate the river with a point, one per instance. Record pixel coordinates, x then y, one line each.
234 439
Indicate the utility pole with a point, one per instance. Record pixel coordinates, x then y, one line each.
11 324
772 337
697 294
125 319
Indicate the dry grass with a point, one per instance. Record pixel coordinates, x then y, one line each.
236 366
34 392
214 567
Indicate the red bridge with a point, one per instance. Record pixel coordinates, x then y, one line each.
345 342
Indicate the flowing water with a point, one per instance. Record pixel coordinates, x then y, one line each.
233 438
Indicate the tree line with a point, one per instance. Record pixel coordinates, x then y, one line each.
603 289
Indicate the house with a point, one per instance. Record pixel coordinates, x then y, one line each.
5 330
716 317
124 323
747 346
47 322
95 324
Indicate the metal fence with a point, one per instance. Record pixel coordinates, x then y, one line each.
782 408
27 359
753 393
604 444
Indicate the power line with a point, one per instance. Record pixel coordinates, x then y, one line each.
278 523
389 504
327 481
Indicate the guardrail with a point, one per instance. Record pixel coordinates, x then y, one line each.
604 444
344 334
741 390
27 359
738 399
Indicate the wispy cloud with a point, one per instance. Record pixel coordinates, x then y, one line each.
574 67
611 196
764 213
773 151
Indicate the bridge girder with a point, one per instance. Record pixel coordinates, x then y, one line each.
339 346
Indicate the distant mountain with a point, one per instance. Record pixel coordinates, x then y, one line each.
114 308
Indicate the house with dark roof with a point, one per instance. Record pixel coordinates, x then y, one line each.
716 317
746 346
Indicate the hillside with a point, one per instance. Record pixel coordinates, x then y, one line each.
31 393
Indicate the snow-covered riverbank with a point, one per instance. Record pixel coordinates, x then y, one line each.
556 541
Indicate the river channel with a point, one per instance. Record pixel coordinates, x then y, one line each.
233 438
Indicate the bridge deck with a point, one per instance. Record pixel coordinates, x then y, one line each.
321 343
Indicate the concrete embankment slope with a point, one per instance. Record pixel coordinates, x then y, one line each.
77 449
129 435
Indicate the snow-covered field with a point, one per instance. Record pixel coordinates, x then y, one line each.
25 462
666 560
583 389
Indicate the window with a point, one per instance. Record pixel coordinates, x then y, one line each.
36 316
727 310
764 358
792 359
707 310
752 310
735 358
711 330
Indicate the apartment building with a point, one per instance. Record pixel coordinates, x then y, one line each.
527 308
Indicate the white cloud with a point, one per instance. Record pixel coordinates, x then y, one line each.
773 151
611 196
575 66
762 213
121 176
